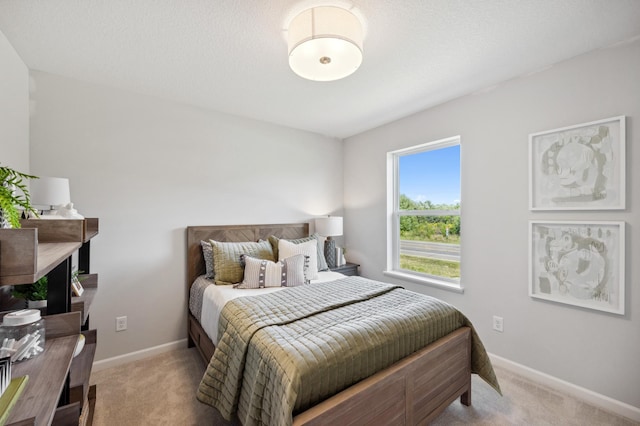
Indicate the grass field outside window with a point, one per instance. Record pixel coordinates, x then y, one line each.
439 268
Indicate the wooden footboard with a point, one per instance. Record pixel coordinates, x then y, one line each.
411 392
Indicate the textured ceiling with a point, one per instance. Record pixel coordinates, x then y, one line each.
231 55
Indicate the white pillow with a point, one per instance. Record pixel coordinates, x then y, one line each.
310 248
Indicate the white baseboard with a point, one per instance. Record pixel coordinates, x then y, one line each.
583 394
141 354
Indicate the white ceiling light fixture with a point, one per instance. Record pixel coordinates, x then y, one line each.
325 43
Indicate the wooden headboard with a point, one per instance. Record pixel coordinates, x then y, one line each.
233 233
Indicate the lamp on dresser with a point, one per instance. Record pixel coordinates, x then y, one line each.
49 192
330 226
52 196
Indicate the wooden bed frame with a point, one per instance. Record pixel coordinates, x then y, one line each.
412 391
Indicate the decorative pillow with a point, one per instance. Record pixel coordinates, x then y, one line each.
310 248
322 262
227 268
207 252
261 273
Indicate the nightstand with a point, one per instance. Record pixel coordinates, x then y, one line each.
347 269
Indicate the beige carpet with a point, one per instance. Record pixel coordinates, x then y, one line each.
161 391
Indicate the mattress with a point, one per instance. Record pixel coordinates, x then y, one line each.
206 299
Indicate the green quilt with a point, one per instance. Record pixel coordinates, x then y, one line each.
281 353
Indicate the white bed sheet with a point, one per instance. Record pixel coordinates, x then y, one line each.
216 296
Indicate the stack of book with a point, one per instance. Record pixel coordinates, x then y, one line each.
10 389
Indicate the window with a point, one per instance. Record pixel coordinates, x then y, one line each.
423 198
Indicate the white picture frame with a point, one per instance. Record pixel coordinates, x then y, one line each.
579 167
76 287
578 263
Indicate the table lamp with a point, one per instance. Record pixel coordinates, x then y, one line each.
51 195
330 226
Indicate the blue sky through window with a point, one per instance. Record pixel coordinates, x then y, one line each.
432 175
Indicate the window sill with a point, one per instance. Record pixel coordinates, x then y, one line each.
431 282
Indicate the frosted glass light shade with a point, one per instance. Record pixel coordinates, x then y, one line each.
325 43
330 226
47 192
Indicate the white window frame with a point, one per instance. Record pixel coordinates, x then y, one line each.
394 213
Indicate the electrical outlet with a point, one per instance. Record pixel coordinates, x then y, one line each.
121 323
498 324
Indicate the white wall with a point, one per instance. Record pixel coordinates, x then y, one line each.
14 109
148 168
591 349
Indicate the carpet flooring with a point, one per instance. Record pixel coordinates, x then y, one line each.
161 391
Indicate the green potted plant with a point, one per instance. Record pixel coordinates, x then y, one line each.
35 294
11 200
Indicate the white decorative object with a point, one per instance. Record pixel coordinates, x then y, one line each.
338 254
579 167
68 212
325 43
79 345
578 263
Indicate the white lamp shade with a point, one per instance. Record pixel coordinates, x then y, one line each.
49 191
330 226
325 43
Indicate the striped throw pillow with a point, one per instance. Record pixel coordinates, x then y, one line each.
261 273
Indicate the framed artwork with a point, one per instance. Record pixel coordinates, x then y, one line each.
579 167
76 287
578 263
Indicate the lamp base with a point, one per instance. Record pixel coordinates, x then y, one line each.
330 252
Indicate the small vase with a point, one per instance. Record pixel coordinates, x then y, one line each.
4 223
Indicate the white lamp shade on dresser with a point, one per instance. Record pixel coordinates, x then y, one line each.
47 192
330 226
